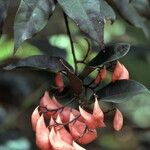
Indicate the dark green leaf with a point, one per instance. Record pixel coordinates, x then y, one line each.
41 62
121 91
87 70
128 12
3 11
89 15
87 93
32 17
75 83
110 53
143 7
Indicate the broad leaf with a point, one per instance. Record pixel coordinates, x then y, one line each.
128 11
120 91
3 11
75 83
32 16
143 7
89 15
41 62
110 53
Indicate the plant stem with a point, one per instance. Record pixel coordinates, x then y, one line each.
88 50
66 123
71 43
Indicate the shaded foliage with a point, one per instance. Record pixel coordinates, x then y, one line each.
3 12
94 13
41 62
32 17
120 91
109 54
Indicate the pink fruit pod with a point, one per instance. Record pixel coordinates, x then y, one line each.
88 118
125 74
59 82
98 115
117 71
42 135
34 118
118 120
57 142
46 105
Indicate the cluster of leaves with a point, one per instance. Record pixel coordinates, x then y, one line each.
115 92
90 16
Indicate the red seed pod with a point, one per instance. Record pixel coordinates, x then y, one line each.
89 136
77 147
76 127
42 135
118 120
97 79
65 114
64 134
95 120
117 71
56 102
124 74
80 132
103 73
59 82
77 113
98 115
57 142
51 123
88 118
34 118
47 102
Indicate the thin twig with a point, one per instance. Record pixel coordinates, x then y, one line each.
45 109
84 132
87 53
66 123
71 43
